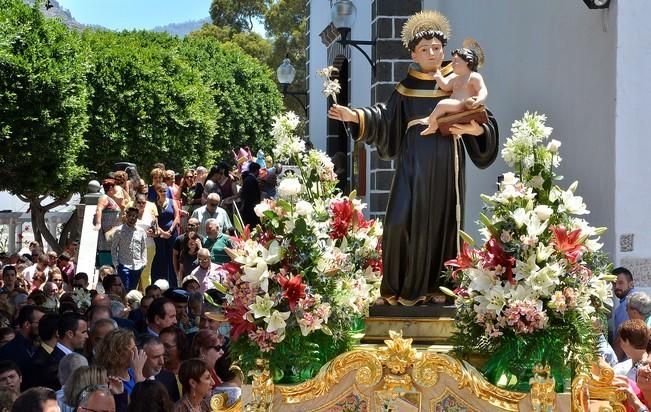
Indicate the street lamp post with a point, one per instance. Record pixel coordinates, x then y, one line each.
285 74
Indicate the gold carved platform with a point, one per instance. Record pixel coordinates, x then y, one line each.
399 378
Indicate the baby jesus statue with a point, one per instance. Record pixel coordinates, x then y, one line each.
466 84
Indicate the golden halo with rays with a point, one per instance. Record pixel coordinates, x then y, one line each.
473 45
424 21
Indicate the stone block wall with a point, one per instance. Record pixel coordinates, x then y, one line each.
392 61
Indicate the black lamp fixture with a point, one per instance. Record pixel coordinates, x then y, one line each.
343 15
285 75
597 4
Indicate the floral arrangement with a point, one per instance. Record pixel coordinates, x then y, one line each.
300 281
531 292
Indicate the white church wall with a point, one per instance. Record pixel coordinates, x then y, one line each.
633 143
555 57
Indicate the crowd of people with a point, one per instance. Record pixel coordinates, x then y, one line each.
150 334
631 344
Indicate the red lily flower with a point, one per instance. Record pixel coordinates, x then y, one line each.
342 211
294 289
232 267
465 260
494 255
568 243
239 324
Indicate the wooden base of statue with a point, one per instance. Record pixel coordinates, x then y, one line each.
399 377
428 324
479 115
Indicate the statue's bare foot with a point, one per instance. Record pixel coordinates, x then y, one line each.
431 129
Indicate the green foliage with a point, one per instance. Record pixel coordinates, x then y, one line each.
149 104
238 14
43 98
242 89
286 24
251 43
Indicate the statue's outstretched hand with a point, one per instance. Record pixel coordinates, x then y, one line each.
342 113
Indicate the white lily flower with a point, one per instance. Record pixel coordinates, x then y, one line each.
480 280
509 179
543 212
545 280
519 215
276 321
572 204
493 300
262 306
289 186
543 252
536 182
258 275
525 269
304 208
593 245
553 146
260 208
274 253
535 227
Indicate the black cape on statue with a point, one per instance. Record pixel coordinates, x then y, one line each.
420 226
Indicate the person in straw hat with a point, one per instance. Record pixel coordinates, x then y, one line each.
425 208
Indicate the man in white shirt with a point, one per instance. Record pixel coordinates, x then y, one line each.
129 250
211 210
41 265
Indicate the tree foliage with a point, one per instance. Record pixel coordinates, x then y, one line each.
71 104
148 104
251 43
43 97
238 14
286 25
243 90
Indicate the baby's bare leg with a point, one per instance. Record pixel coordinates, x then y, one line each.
445 106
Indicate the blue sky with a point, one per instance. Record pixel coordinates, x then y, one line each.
135 14
140 14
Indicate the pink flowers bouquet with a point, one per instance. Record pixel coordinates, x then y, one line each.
299 281
531 292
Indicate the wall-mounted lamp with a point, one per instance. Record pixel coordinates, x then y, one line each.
343 15
285 75
597 4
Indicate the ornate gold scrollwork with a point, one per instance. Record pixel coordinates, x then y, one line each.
543 395
262 388
369 373
407 371
218 403
428 367
398 355
587 387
